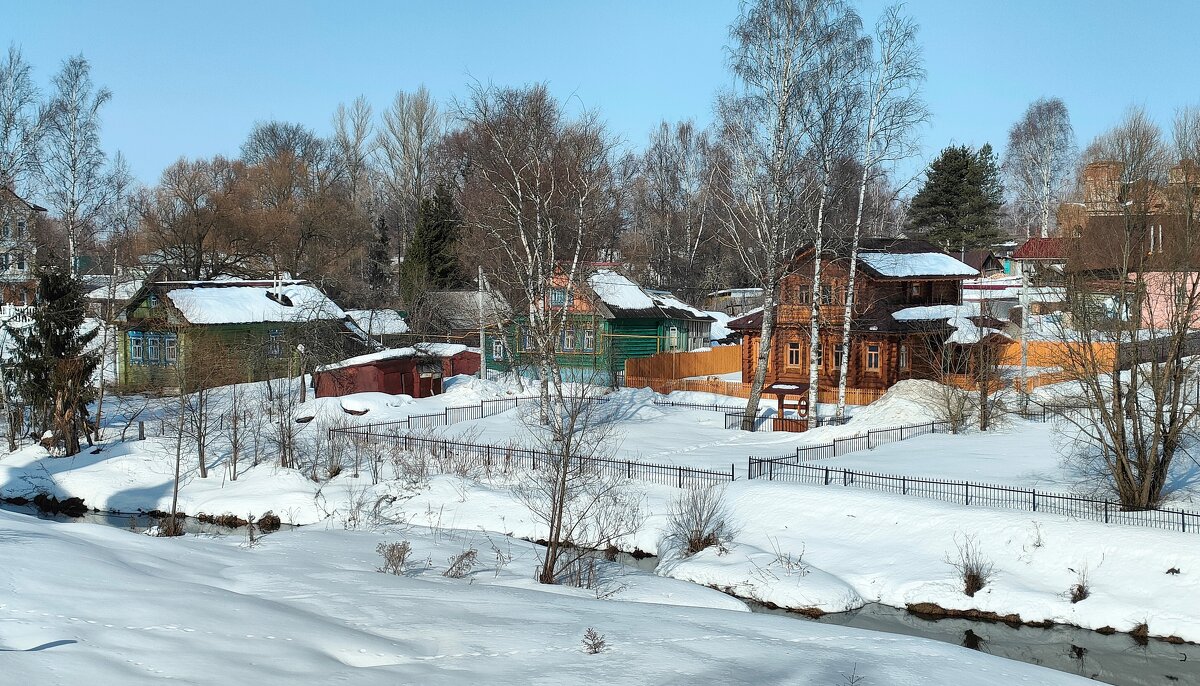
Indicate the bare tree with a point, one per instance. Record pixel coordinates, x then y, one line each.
354 148
893 109
1039 160
778 51
1134 304
80 185
411 129
538 185
23 119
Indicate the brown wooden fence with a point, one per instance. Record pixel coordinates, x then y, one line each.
723 359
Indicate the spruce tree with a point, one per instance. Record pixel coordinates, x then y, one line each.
54 367
431 261
958 206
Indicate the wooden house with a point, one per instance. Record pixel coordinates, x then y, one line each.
609 319
191 333
908 321
417 371
17 247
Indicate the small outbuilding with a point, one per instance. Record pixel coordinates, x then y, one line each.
416 370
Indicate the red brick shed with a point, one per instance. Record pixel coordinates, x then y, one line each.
417 371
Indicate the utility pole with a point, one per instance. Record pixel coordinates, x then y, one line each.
482 337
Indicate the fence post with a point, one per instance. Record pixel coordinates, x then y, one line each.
489 456
771 471
141 430
827 476
1033 495
967 492
628 469
679 471
732 477
904 485
845 477
1106 512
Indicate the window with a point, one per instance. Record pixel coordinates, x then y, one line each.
135 347
6 229
903 356
21 261
3 261
568 339
170 349
873 357
793 355
826 294
526 341
914 291
275 343
152 301
20 228
589 340
673 338
837 356
497 349
820 355
152 342
558 297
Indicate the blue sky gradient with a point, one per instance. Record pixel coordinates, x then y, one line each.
190 78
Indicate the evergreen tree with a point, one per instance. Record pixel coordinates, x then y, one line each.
958 206
53 365
431 262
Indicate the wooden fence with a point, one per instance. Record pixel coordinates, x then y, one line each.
723 359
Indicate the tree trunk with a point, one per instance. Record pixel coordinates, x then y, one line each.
766 332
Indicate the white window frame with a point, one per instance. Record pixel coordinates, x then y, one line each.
568 339
152 341
170 349
497 349
589 340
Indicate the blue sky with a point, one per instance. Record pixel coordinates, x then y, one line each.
189 78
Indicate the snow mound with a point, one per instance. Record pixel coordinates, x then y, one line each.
905 403
362 403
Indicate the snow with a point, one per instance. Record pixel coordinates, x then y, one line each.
379 322
248 304
308 606
420 350
957 317
720 326
615 290
915 264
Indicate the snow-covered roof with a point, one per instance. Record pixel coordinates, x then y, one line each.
379 322
218 303
911 265
123 290
624 298
418 350
958 317
616 290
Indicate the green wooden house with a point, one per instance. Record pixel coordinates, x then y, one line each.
609 320
176 334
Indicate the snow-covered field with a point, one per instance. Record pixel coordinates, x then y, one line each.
797 546
105 606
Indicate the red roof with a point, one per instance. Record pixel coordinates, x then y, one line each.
1042 249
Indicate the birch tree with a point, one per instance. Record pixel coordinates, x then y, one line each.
778 50
23 118
78 182
892 110
1039 160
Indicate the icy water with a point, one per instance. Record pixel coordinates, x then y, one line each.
134 522
1114 659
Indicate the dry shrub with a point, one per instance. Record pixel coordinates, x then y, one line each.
171 526
974 569
461 564
395 556
593 641
1082 587
268 522
699 519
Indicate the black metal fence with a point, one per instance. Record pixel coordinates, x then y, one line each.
462 458
984 495
453 415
